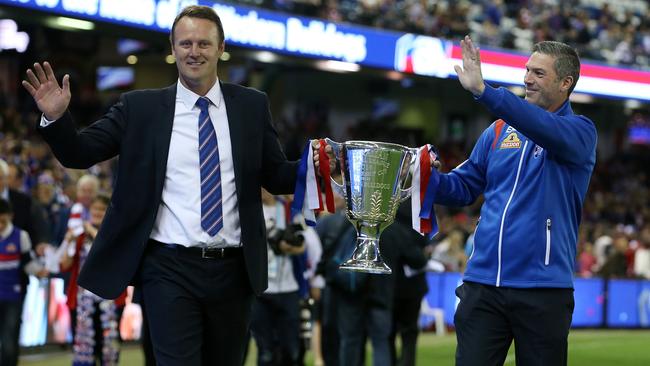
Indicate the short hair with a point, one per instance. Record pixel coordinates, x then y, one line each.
5 207
88 178
567 62
202 12
103 198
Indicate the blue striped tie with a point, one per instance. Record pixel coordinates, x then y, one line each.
211 213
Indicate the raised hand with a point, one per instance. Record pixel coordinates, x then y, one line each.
50 98
469 75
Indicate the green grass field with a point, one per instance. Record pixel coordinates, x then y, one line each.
586 348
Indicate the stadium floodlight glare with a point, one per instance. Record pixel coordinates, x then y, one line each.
266 56
71 24
225 56
337 66
132 59
170 59
583 98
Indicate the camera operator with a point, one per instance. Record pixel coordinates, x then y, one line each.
275 323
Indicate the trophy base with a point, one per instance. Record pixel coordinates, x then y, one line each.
366 266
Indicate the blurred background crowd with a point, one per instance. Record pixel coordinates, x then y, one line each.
616 32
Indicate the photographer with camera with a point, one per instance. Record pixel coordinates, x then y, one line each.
275 323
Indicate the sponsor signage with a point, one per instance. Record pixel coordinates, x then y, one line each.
315 38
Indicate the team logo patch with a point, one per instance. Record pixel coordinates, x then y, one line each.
538 151
512 141
11 248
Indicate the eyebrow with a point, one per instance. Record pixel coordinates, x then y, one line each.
535 69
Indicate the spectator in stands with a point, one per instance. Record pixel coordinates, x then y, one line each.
16 262
87 189
616 262
450 251
27 214
96 334
533 167
642 255
586 260
55 204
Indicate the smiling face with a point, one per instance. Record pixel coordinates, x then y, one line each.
197 46
543 87
97 212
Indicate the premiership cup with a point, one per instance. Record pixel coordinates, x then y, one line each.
374 175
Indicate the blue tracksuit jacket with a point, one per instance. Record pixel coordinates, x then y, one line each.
533 167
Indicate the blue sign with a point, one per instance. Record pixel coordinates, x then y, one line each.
589 298
628 304
316 38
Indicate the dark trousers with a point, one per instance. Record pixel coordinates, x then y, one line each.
276 328
198 309
10 319
406 312
329 327
359 318
488 318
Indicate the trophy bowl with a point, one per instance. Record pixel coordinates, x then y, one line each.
374 175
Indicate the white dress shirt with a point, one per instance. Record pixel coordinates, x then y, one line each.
179 215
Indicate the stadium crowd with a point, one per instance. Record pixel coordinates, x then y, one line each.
612 32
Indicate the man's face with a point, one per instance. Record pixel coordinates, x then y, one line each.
97 212
197 50
13 180
5 219
44 193
542 85
86 193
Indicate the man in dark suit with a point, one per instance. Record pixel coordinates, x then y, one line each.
185 221
27 214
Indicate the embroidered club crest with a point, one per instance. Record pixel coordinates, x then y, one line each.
11 248
512 141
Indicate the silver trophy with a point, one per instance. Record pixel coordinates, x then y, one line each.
374 175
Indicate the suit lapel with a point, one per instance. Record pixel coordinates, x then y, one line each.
163 135
234 110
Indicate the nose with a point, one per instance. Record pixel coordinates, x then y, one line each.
194 50
528 79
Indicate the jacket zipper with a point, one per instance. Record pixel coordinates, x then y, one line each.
505 210
548 242
478 222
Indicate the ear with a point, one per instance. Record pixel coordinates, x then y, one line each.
171 43
566 83
222 48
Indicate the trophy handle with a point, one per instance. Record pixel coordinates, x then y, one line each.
406 193
336 148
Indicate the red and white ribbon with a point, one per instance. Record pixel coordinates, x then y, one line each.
421 176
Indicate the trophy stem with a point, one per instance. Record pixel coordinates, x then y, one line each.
366 258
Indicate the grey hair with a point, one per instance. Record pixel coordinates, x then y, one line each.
567 62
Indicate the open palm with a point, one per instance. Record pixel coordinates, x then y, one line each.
469 75
50 98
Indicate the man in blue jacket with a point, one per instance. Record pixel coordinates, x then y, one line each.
533 167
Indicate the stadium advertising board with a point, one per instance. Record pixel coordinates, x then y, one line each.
314 38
